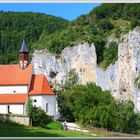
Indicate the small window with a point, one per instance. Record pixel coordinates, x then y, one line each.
47 107
8 108
35 100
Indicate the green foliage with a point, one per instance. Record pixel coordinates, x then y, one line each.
134 22
66 107
110 55
137 81
39 117
54 125
43 31
94 27
15 26
11 129
72 78
89 105
29 108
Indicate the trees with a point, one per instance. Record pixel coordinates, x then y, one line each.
43 31
72 78
15 26
110 55
89 105
29 110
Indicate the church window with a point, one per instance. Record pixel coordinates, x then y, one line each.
8 108
47 107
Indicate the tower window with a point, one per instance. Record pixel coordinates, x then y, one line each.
47 107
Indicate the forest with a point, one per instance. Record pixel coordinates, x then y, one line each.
54 33
16 26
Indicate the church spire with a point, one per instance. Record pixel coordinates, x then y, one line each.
23 55
23 47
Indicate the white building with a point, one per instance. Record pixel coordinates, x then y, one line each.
18 83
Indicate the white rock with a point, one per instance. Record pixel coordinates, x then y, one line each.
118 78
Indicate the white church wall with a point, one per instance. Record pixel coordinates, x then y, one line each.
12 89
42 100
51 101
3 109
37 100
17 109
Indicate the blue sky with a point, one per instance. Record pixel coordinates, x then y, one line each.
68 11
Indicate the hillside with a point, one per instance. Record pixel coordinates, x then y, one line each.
15 25
103 26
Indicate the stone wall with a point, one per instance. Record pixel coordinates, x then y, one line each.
18 119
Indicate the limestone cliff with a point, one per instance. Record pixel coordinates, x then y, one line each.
118 78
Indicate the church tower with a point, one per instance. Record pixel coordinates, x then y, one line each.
23 56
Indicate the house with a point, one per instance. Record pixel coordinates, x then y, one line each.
18 84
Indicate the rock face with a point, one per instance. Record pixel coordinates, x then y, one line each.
118 78
81 58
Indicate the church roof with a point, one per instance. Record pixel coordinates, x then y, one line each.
13 98
23 47
14 75
40 85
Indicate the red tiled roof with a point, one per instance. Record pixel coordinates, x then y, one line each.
14 75
40 85
13 98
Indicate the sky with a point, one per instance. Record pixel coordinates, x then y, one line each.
68 11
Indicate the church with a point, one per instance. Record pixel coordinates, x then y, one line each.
18 84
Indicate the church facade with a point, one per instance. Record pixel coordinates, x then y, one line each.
18 84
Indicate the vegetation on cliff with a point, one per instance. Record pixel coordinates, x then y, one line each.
102 22
43 31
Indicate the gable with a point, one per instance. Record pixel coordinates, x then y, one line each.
40 85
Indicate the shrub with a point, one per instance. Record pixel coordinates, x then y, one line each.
137 81
110 55
39 117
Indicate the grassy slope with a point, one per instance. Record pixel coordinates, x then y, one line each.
9 129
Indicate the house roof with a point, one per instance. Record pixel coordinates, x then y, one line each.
40 85
13 98
14 75
23 47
